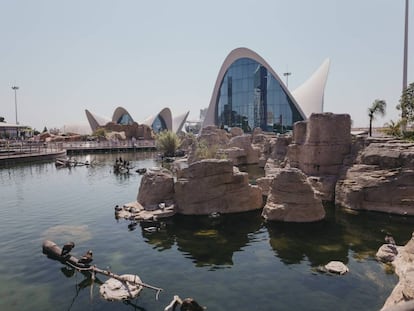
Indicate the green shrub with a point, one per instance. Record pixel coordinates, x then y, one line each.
168 142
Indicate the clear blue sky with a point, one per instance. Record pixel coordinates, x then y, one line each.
68 56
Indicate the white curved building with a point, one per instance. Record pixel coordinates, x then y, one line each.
158 122
95 121
248 94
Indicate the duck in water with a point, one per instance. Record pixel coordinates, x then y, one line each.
188 304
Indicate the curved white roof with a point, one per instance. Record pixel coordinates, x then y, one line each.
165 114
310 94
179 121
95 121
118 113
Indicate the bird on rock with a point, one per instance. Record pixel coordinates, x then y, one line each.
67 247
87 258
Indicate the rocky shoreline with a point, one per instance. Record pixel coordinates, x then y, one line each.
321 162
402 259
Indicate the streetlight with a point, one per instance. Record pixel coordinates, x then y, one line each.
15 88
287 74
404 86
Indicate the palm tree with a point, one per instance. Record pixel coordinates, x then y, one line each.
377 107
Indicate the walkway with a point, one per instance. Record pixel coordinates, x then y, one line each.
12 152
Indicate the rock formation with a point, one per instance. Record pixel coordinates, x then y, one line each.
157 186
214 185
241 151
320 146
381 179
403 263
292 198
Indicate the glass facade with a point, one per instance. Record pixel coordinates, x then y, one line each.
159 125
125 119
251 97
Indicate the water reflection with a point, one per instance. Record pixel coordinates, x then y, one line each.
207 241
333 238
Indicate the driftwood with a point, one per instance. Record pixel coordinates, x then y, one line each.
52 250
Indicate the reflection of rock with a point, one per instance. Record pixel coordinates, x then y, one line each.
403 264
213 240
157 186
213 185
296 242
292 199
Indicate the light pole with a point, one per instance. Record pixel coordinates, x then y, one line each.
287 74
404 86
15 88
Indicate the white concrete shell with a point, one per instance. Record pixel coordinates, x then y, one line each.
310 94
230 59
118 113
179 121
165 114
95 121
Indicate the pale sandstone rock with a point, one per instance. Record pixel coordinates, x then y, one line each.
380 168
213 185
403 263
292 199
236 131
336 267
157 186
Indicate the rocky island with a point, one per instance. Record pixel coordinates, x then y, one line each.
321 162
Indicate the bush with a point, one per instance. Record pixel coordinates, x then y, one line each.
168 142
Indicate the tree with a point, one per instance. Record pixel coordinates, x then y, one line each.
406 105
377 107
44 129
2 119
392 128
168 142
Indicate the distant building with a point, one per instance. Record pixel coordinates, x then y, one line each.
248 94
10 130
158 122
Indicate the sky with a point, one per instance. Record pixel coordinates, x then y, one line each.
68 56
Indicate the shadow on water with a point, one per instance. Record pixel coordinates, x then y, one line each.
340 234
197 236
342 231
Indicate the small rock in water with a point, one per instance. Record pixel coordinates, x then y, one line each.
337 267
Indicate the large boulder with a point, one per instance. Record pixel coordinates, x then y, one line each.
214 185
241 151
382 179
157 186
404 291
292 198
321 144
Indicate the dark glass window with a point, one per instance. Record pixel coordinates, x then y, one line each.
125 119
159 125
251 97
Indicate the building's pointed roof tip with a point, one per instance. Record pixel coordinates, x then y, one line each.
179 121
95 121
310 94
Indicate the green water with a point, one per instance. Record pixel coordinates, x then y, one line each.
234 262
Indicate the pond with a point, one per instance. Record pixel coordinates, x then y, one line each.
233 262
